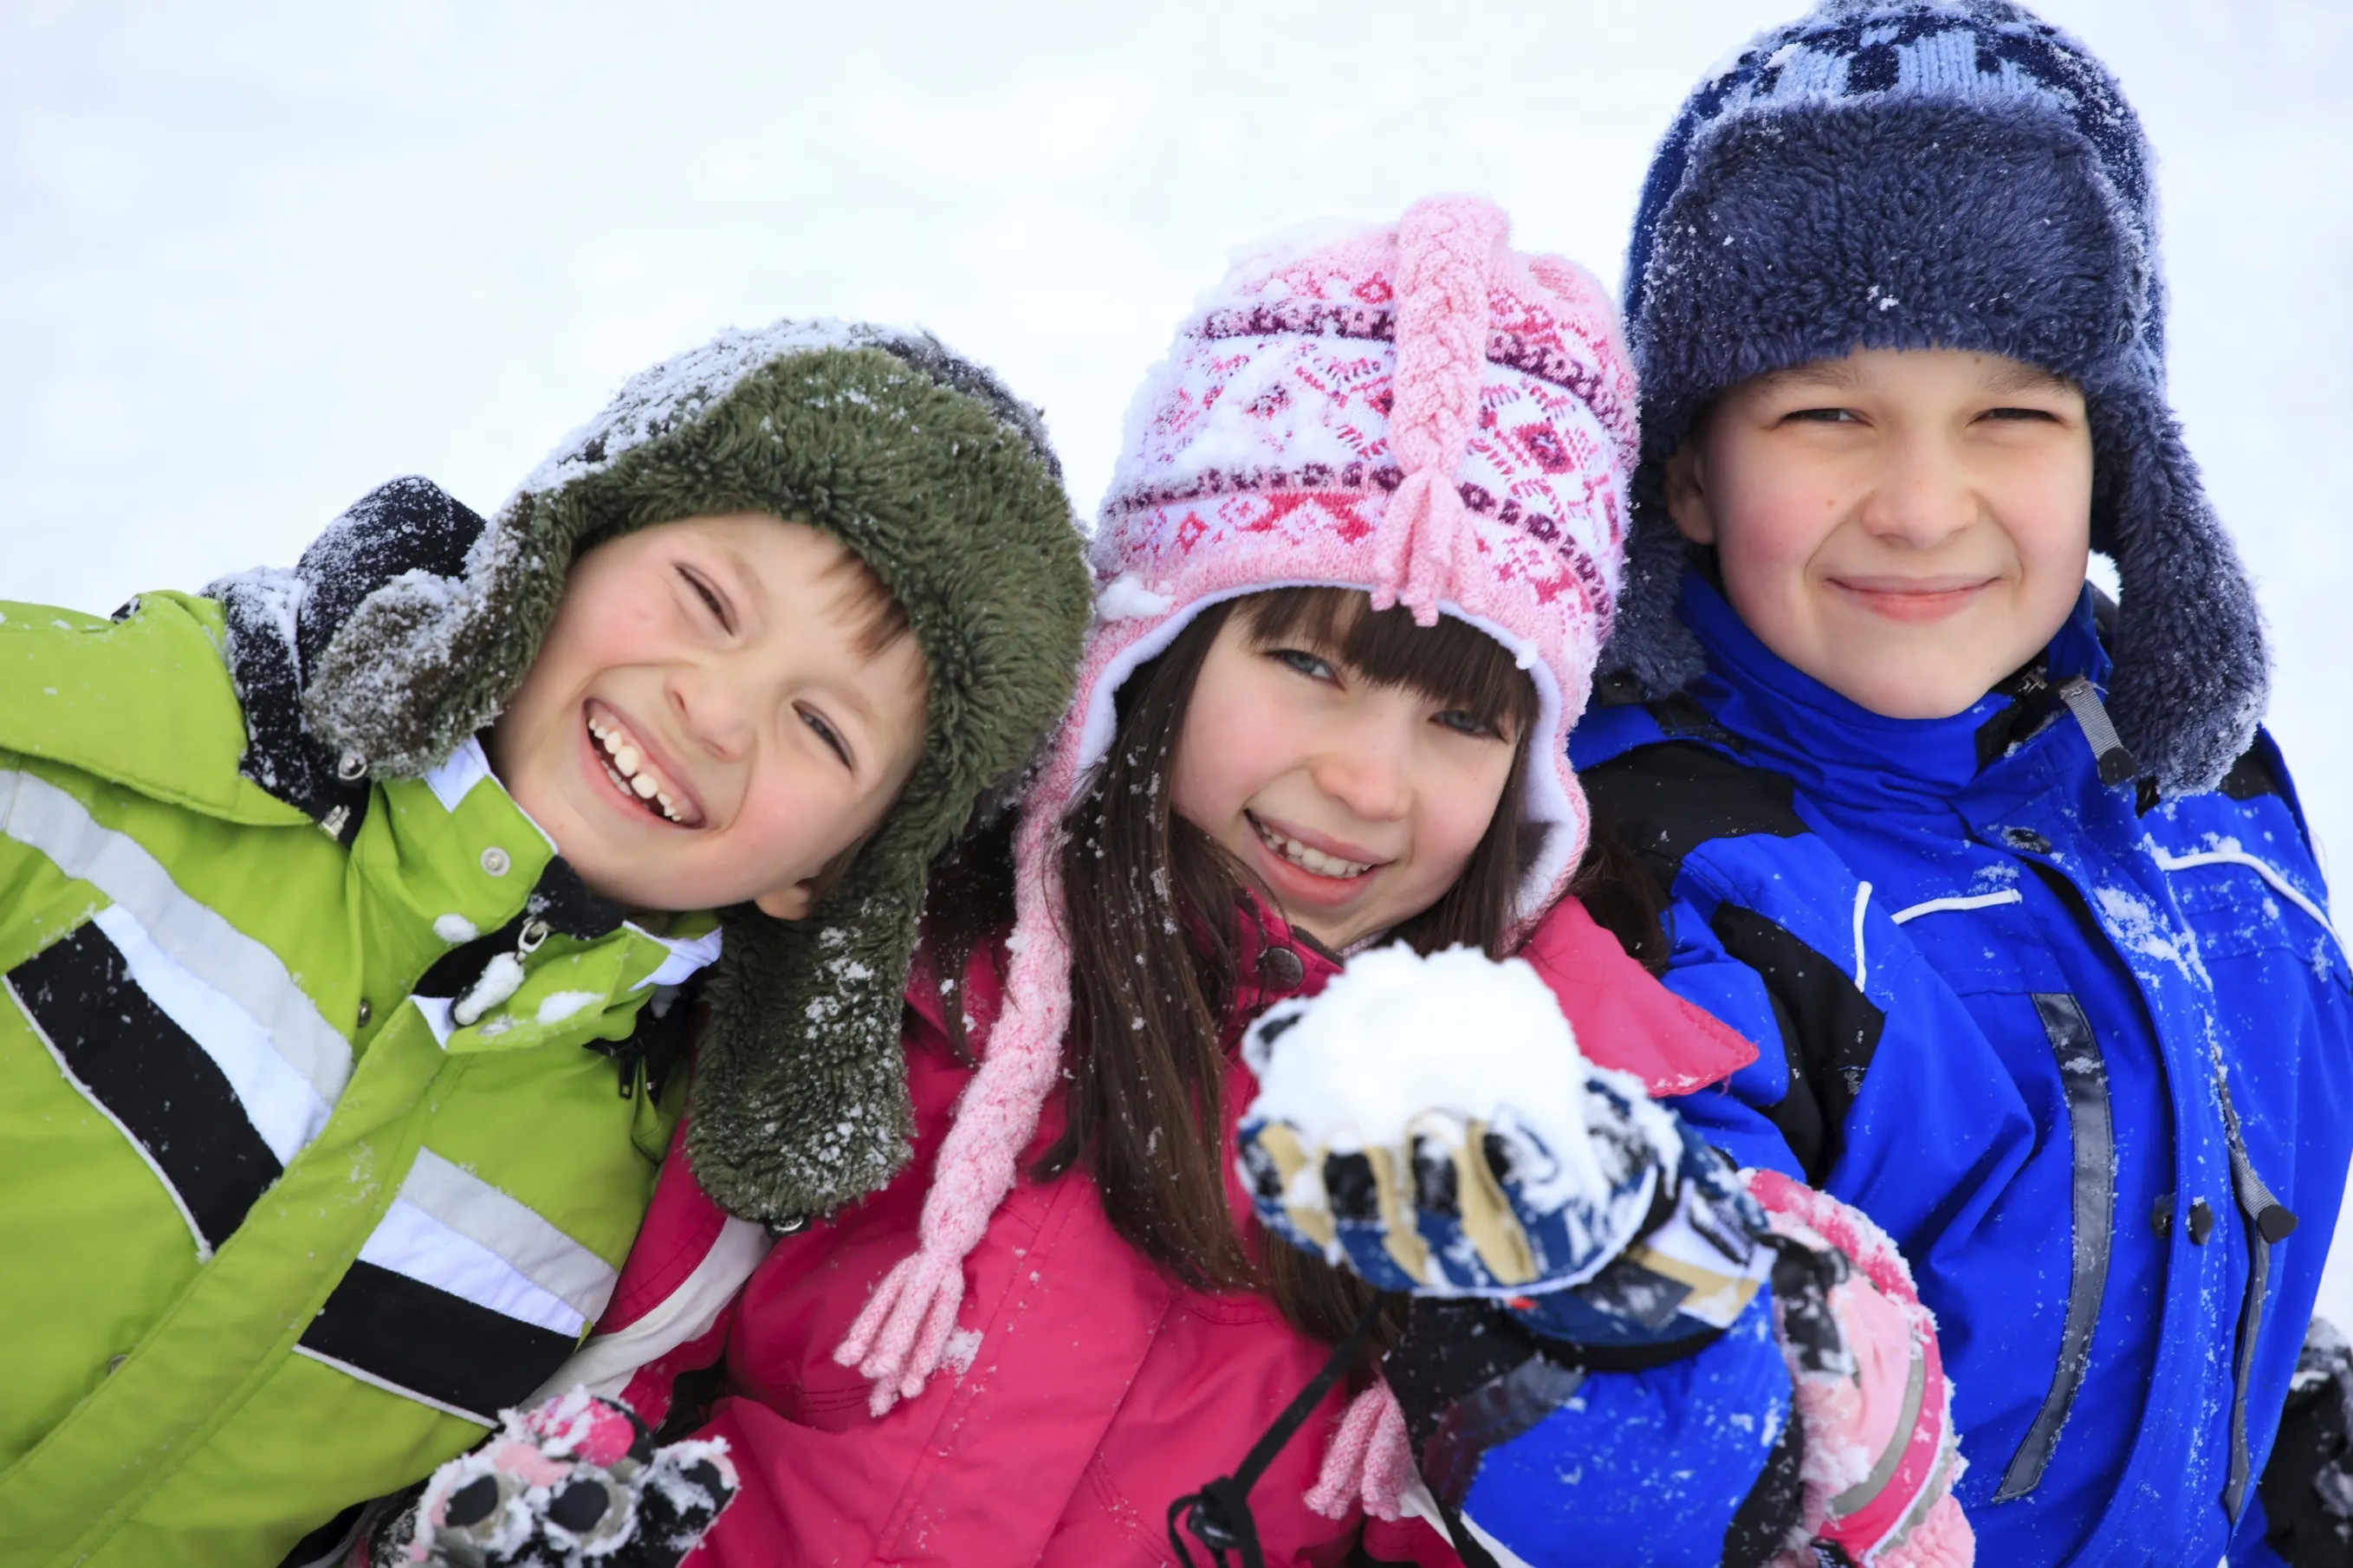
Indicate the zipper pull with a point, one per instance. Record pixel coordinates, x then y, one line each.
500 978
2115 759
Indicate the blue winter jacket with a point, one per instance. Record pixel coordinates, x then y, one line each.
2086 1056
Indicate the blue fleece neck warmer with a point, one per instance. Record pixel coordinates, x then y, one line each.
1924 175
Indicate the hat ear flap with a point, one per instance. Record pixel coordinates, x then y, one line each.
800 1094
2192 669
426 660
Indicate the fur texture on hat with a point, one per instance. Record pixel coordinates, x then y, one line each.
1938 174
410 623
1415 410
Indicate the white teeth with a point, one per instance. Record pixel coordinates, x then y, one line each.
1308 856
628 767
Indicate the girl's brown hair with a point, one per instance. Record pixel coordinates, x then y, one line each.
1153 905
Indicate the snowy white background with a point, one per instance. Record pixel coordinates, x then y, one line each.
256 259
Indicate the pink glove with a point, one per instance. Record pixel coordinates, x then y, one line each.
575 1483
1880 1457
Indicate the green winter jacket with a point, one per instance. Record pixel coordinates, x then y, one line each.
279 1232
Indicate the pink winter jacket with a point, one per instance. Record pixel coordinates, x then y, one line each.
1088 1389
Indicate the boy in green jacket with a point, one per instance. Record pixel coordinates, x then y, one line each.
344 915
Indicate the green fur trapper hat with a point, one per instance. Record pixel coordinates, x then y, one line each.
408 626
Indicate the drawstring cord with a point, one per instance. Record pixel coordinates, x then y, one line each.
1218 1514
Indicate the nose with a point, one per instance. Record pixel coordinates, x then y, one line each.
1366 767
711 710
1924 495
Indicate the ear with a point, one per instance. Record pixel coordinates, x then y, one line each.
1686 487
789 903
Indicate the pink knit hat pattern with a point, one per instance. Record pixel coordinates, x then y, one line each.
1418 411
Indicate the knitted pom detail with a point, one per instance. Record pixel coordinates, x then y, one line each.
1370 1461
1446 247
898 1340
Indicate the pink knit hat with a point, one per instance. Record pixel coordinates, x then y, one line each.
1418 411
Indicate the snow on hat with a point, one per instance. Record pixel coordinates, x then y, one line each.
923 467
1418 411
1958 174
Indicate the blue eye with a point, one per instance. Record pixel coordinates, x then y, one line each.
1464 724
1307 664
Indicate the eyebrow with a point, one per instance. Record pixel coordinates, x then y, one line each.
2016 376
1838 374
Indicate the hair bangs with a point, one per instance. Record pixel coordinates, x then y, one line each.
1454 662
881 618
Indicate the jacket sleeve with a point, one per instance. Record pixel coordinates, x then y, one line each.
1819 1415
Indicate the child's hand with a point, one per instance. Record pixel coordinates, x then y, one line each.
1430 1124
575 1483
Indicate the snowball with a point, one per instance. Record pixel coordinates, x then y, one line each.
454 929
1396 1035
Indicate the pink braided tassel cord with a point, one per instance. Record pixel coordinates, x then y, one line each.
1446 253
1369 1462
900 1337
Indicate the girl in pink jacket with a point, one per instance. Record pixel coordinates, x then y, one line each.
1354 568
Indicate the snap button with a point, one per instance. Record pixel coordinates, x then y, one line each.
495 861
350 767
366 1012
1280 969
2026 840
114 1363
788 1224
2201 1223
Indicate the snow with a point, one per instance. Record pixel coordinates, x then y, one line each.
255 261
454 929
558 1005
1397 1036
1126 598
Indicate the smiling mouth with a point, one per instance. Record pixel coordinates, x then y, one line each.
1923 601
1308 858
634 774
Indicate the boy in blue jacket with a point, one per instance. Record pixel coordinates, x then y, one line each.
2005 882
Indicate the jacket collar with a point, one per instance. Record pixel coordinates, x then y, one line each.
1834 748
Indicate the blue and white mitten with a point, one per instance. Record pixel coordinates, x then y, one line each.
1430 1124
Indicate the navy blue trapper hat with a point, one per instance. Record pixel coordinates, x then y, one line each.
1955 174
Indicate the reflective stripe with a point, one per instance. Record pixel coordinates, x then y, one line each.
1860 1495
2084 1077
41 816
2264 1214
543 1256
145 1073
459 771
1956 902
1862 900
461 1297
2280 885
687 955
283 1107
408 1241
